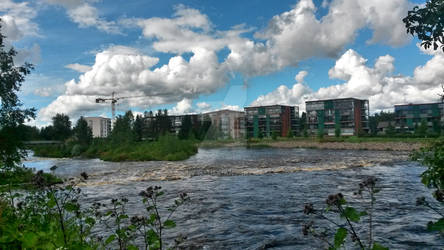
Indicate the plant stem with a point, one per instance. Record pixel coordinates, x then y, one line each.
372 197
351 227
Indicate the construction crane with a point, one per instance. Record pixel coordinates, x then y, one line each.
113 101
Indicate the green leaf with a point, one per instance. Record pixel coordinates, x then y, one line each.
110 239
123 216
30 239
169 224
132 247
71 207
340 236
376 246
436 226
90 221
352 214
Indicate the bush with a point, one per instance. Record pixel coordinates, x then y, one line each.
51 217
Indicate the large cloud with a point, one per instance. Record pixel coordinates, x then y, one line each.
289 38
374 83
127 72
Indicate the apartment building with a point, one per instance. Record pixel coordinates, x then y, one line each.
265 120
230 123
350 115
100 126
408 116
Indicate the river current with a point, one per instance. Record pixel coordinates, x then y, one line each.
254 198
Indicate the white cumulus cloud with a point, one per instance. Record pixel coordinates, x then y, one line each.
86 15
374 83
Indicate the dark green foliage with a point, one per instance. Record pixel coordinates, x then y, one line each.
421 130
51 217
47 133
185 129
303 122
82 132
163 123
203 129
290 134
54 151
138 128
29 133
61 126
390 130
260 134
166 148
338 132
22 178
375 119
305 132
427 23
274 135
433 158
11 113
320 133
349 219
122 132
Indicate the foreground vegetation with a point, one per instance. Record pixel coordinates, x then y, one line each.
51 217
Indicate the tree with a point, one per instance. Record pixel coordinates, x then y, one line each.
421 130
11 113
122 131
427 23
62 127
338 131
83 132
185 128
47 133
138 128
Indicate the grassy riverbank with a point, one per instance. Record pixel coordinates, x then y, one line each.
23 178
350 142
166 148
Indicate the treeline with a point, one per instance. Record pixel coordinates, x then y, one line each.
132 138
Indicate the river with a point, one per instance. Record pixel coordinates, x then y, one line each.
254 198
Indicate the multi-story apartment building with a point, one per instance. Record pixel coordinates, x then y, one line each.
350 115
408 116
265 120
230 123
100 126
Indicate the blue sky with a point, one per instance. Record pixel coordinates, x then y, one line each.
196 56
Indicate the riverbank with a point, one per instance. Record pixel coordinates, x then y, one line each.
342 143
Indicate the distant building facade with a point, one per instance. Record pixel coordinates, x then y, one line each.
350 115
229 123
100 126
264 120
409 116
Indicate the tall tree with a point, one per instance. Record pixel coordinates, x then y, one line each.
185 128
83 132
427 23
138 128
11 113
122 131
62 127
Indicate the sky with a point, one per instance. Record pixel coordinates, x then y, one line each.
196 56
